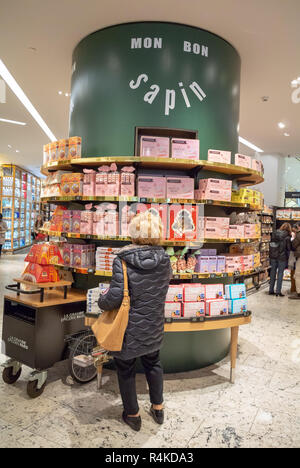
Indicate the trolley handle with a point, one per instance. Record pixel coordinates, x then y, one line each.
16 288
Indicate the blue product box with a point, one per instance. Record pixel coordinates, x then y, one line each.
238 306
235 291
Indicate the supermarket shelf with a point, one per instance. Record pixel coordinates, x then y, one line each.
195 243
246 176
288 219
179 276
209 323
149 200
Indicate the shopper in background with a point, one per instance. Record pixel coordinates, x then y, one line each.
149 273
280 248
37 226
3 229
296 249
292 264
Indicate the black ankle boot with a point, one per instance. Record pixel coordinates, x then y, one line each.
158 415
134 422
280 294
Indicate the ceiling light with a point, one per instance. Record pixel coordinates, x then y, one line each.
17 151
12 121
11 82
250 145
281 125
286 134
59 92
294 83
9 146
66 94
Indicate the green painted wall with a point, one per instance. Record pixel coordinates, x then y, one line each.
105 109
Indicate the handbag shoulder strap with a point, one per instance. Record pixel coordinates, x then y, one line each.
126 291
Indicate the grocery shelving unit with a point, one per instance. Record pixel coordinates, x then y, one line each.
20 203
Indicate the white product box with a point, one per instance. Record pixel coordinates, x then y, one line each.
214 291
194 292
175 293
237 306
193 309
215 307
219 156
243 160
173 309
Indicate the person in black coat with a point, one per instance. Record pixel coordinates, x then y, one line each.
149 273
280 248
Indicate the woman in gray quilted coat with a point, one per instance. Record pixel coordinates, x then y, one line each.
149 273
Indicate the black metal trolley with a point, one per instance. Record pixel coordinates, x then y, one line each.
40 334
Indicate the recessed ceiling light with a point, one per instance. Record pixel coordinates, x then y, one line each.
66 94
17 151
281 125
9 146
286 134
12 121
6 75
250 145
59 92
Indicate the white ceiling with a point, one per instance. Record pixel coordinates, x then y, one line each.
37 39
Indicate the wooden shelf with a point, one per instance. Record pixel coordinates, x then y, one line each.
168 201
179 326
192 243
243 175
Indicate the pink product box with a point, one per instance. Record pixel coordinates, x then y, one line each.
194 292
86 222
80 256
236 231
127 184
175 293
212 264
67 254
214 291
89 185
75 221
101 183
219 156
67 221
215 194
242 160
180 187
257 165
193 309
173 309
151 187
157 147
216 233
219 184
113 184
221 264
218 222
185 148
216 307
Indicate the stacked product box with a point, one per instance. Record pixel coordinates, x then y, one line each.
252 231
257 165
173 303
214 189
180 187
213 227
79 256
92 297
218 156
105 257
183 221
61 150
245 195
151 187
236 295
71 184
243 160
236 231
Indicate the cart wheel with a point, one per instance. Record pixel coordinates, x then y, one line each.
8 376
83 345
32 389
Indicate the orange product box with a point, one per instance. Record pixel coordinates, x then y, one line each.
63 150
74 147
71 185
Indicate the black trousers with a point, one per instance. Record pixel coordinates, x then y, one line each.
126 376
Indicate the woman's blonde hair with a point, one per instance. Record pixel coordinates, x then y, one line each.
146 229
286 227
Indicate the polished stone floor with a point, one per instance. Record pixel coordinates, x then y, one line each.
202 408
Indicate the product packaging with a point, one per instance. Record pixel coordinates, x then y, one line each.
71 184
156 147
175 293
89 183
127 181
63 150
173 309
214 291
182 222
215 307
67 221
180 187
219 156
221 264
75 221
237 306
235 291
74 148
242 160
236 231
151 187
193 292
185 148
193 309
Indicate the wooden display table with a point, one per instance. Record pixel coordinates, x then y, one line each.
40 288
214 324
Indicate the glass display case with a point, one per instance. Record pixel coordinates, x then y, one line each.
20 204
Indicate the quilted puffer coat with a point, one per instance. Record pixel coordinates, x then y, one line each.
149 273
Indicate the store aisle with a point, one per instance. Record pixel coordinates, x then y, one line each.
202 408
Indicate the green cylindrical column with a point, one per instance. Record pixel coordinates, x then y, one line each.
154 74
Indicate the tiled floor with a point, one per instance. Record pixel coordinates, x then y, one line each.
202 408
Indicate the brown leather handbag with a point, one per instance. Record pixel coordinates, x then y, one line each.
110 327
